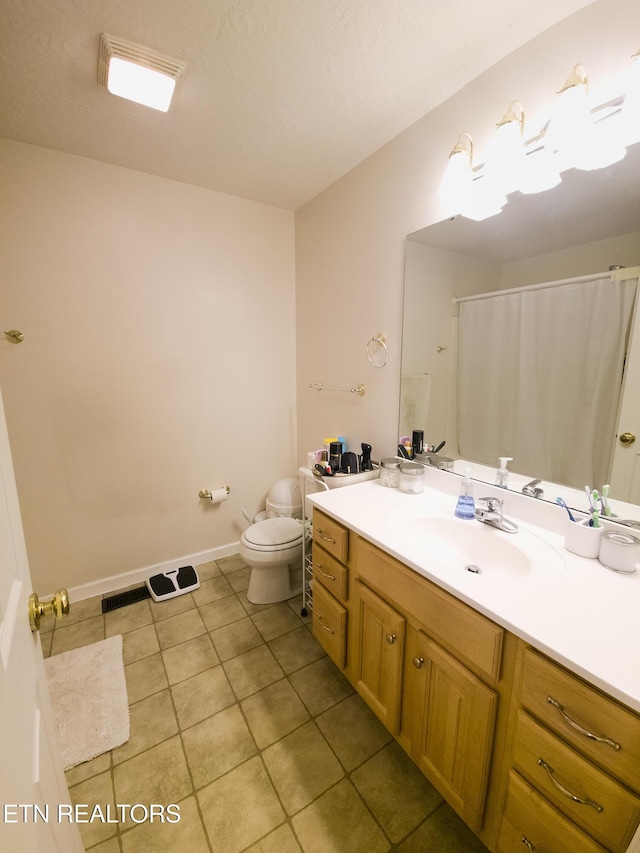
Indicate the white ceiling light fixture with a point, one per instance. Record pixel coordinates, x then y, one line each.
458 176
462 190
506 161
138 73
572 131
510 166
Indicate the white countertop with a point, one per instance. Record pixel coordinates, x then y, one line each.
573 609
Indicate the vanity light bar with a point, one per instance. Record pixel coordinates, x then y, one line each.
592 149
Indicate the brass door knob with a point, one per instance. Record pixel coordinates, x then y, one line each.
58 606
627 438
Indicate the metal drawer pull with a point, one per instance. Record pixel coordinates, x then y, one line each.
578 727
566 791
326 538
391 638
324 574
526 841
324 627
417 662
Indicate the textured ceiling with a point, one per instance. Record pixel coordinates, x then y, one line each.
280 97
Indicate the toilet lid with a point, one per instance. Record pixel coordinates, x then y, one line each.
274 531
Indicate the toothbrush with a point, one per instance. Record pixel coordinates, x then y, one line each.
606 509
595 512
595 515
562 503
588 494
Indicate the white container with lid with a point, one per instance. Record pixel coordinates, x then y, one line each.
620 551
390 472
411 478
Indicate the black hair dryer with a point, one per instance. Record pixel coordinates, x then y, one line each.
365 460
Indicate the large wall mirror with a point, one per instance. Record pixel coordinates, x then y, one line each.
585 225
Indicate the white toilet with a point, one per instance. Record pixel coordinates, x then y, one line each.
273 547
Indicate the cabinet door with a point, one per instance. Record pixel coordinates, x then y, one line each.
454 728
380 651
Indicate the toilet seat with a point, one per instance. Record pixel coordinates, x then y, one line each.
273 534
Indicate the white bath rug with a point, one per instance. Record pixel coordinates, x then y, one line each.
89 699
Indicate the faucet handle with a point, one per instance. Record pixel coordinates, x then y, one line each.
491 504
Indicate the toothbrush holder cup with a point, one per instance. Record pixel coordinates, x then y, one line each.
581 539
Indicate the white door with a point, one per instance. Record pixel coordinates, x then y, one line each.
625 472
32 781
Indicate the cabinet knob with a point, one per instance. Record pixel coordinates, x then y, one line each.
417 662
391 638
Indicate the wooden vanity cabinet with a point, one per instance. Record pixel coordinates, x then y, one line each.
412 640
509 738
575 754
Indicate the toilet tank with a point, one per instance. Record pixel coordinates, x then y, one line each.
284 499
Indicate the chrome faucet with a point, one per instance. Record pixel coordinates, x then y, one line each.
489 511
532 489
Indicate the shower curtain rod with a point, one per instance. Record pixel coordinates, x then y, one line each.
579 280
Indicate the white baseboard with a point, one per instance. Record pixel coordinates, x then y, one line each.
118 582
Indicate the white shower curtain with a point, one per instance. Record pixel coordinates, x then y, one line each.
539 378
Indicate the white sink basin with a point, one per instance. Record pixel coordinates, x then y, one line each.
470 546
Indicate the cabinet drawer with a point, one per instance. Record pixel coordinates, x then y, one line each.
528 817
333 537
330 573
468 634
330 625
610 813
574 709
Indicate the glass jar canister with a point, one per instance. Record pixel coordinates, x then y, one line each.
411 477
390 472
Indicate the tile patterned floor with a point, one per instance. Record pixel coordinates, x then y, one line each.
238 716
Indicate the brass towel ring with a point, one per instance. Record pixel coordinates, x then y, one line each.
378 339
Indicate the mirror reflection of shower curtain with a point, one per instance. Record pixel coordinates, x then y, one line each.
539 378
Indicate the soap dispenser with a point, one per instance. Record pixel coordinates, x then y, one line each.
502 475
466 508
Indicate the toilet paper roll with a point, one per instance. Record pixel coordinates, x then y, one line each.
219 495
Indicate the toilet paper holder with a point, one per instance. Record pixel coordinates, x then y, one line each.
215 497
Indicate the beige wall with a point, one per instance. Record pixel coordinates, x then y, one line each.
576 261
350 239
158 359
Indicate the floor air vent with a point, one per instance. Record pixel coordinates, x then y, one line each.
121 599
